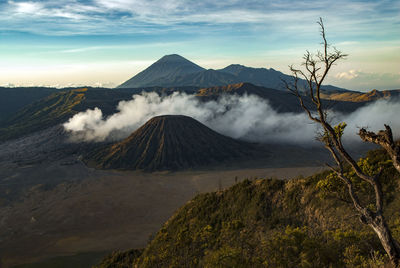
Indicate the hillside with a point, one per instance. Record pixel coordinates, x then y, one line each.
304 222
353 96
13 99
171 142
58 108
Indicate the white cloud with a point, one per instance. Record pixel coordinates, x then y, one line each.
27 7
348 75
42 9
85 49
105 84
347 43
9 85
369 80
142 7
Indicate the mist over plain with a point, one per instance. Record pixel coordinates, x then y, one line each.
246 117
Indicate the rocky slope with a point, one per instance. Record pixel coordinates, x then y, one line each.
171 142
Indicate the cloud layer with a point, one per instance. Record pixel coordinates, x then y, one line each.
126 15
247 117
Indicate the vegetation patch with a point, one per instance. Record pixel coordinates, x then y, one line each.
304 222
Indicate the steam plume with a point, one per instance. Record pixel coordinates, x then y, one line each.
247 117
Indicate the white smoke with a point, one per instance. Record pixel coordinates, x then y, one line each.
247 117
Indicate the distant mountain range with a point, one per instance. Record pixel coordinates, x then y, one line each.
176 71
171 142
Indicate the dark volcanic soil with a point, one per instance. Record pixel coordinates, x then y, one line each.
54 205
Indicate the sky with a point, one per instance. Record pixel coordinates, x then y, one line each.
105 42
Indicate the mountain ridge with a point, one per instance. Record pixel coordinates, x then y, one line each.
182 72
362 96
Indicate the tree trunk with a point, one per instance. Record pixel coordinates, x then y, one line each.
390 245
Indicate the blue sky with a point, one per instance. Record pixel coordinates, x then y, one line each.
105 42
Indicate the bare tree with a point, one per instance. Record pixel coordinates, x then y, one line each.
315 70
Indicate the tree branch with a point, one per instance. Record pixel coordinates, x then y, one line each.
295 92
384 138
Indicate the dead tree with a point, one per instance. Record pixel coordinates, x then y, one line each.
314 71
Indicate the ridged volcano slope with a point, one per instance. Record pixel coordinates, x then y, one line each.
171 142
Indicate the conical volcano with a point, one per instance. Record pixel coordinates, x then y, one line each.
165 69
171 142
